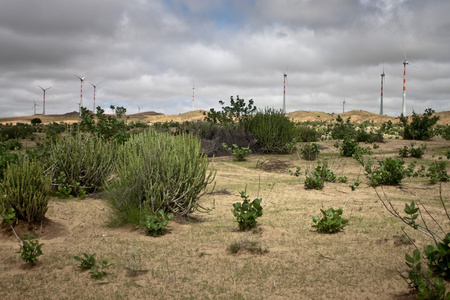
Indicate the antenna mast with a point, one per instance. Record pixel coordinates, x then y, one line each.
382 83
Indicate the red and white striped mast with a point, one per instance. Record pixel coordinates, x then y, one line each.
81 91
95 87
382 83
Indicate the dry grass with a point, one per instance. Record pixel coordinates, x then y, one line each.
192 261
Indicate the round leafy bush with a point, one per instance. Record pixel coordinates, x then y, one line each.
273 130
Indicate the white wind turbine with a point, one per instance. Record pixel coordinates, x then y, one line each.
43 101
81 90
95 87
405 62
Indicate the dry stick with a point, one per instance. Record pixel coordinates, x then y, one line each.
426 226
431 216
395 213
327 257
442 200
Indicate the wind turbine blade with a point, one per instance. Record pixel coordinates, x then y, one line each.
40 87
404 51
78 76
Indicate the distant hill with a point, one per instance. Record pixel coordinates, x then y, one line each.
357 116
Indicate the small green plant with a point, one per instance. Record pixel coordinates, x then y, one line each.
437 171
348 147
417 152
316 178
438 257
390 171
422 281
8 215
155 224
331 221
98 271
310 151
239 153
87 261
403 152
30 251
247 212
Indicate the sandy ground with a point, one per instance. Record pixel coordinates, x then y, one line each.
357 116
192 262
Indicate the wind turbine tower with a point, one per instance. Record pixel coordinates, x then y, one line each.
34 106
343 106
193 97
284 92
43 101
95 87
382 83
81 90
405 62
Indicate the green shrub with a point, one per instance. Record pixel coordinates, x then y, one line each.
342 129
273 130
30 251
158 171
390 171
420 128
13 145
403 152
445 133
331 221
26 189
421 281
348 147
310 151
81 162
438 257
155 224
417 152
87 261
6 157
316 179
35 121
307 134
238 152
238 112
247 212
437 171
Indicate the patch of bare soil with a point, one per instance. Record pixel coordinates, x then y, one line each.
192 261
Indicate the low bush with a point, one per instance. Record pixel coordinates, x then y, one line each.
155 224
273 130
437 171
331 221
390 171
30 251
158 171
316 179
310 151
342 130
420 128
307 134
239 153
81 162
247 212
26 189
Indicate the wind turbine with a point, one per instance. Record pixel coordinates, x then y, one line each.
193 97
382 83
95 87
139 109
405 62
34 106
43 109
284 92
343 106
81 91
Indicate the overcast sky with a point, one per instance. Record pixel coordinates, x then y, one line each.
148 54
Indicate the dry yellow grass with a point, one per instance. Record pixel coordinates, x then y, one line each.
192 262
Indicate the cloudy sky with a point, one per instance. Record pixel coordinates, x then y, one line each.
148 54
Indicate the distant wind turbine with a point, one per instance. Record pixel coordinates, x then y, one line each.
193 97
343 106
43 101
34 106
382 83
284 92
139 109
95 87
405 62
81 90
